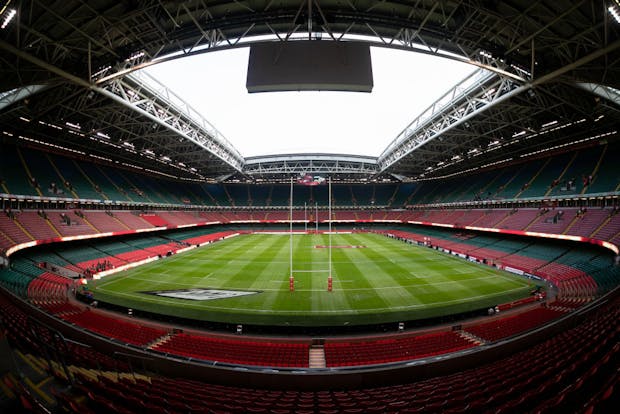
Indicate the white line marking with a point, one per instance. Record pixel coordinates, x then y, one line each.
305 311
285 278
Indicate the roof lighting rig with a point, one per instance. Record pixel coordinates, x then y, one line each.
7 14
614 10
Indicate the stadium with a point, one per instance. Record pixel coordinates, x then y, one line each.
148 264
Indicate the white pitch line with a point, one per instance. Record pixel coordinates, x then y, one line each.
305 311
445 282
114 278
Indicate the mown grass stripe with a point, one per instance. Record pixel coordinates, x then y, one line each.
386 281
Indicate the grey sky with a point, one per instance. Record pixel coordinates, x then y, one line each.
405 83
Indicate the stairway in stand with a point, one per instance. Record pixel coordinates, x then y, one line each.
471 338
317 357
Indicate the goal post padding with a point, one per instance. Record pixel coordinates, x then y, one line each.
292 278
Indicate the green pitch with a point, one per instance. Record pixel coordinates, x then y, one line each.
386 281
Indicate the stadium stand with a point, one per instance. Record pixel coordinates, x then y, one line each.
545 180
213 217
239 194
541 379
234 351
12 230
492 218
27 280
14 178
606 177
586 221
609 227
512 325
125 187
35 337
552 221
108 188
37 224
576 172
104 222
177 218
113 327
217 194
347 215
150 190
99 185
402 194
73 178
560 175
350 353
58 175
100 169
208 238
155 220
50 291
70 223
579 275
518 219
258 196
603 223
131 220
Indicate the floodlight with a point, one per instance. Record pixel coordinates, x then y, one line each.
614 10
10 14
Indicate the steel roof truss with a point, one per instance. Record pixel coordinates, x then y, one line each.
161 109
461 103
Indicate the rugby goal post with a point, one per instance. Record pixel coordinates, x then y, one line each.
329 221
291 279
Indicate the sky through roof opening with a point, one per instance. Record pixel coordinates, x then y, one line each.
405 84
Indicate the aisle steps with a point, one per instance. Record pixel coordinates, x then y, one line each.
317 357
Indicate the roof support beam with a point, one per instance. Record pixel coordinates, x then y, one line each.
298 164
439 119
9 98
605 92
579 62
181 127
480 92
118 93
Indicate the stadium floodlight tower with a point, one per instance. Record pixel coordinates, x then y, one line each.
309 180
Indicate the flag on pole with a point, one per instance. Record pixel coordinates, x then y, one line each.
309 179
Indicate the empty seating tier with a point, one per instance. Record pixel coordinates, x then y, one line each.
31 172
338 354
556 375
234 351
113 327
514 324
49 287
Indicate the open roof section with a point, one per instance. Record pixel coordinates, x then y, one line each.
549 45
310 121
